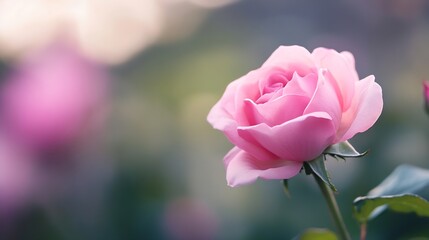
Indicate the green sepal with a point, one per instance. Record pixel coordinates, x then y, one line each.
404 203
317 234
343 150
317 167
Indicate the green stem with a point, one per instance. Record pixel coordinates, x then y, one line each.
333 208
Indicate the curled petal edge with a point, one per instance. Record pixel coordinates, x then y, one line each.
242 168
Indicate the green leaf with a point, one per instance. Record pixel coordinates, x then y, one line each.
405 203
317 166
286 187
343 150
404 179
317 234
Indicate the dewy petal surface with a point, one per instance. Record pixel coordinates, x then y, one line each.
364 111
242 168
301 139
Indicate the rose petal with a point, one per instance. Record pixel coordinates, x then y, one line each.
326 98
277 111
231 103
226 114
343 73
220 120
364 111
229 128
292 58
222 112
301 139
303 86
247 88
349 57
274 79
242 168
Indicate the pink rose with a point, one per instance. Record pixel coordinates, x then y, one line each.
290 110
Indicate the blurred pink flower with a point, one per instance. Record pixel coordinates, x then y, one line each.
51 98
17 177
426 93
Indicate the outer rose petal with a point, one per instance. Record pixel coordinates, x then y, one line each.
221 114
230 105
221 117
301 139
326 98
364 111
339 67
242 168
293 59
247 89
250 145
350 58
229 112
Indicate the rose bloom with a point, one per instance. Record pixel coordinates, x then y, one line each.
290 110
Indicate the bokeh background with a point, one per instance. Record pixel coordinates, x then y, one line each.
103 106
